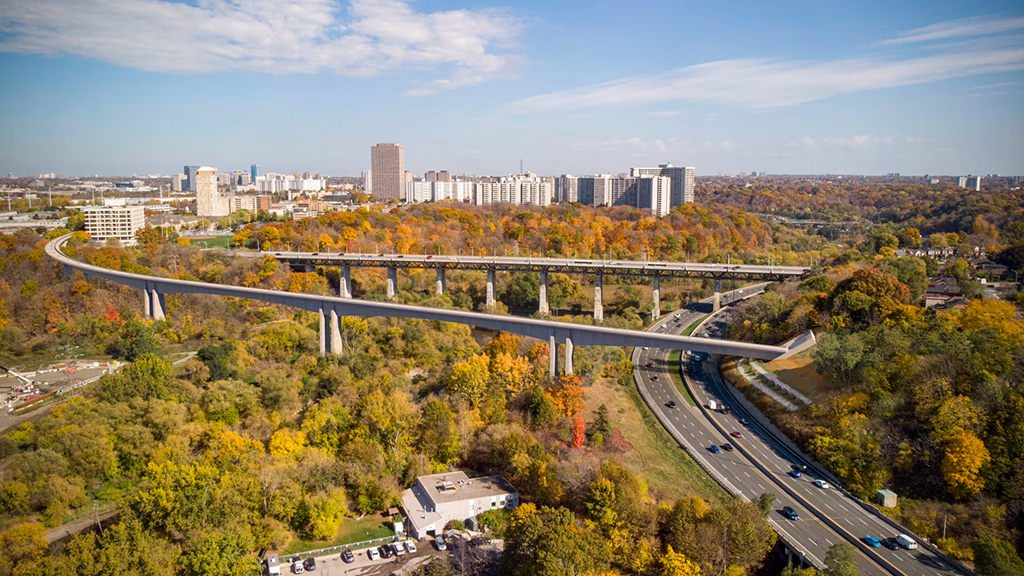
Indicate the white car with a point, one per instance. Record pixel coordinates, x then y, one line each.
398 549
646 348
410 546
439 541
297 567
821 484
373 554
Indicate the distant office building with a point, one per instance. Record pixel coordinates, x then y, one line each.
240 178
121 222
254 171
209 202
974 182
962 181
176 182
190 178
444 176
387 163
682 180
567 188
430 176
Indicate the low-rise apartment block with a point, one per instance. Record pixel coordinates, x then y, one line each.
438 499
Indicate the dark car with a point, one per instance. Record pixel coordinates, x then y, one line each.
795 473
309 564
650 364
737 434
671 403
790 513
654 378
348 557
715 449
385 551
891 544
316 253
871 541
727 447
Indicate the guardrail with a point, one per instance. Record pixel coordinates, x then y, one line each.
337 549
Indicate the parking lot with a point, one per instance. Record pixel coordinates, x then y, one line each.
332 565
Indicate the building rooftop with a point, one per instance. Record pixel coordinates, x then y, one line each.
456 486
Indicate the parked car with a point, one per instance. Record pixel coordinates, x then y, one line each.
372 554
439 542
727 447
385 551
891 543
790 513
737 434
348 557
821 484
297 567
795 474
410 546
309 564
871 541
715 449
398 548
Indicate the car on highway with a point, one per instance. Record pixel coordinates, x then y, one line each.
715 449
727 447
790 513
650 364
795 474
348 557
654 378
821 484
737 434
871 541
891 543
744 422
671 403
410 546
372 554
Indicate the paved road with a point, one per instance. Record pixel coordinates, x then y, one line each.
810 535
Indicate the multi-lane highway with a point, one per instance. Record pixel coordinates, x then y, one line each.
760 463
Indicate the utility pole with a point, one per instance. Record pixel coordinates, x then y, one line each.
725 549
944 516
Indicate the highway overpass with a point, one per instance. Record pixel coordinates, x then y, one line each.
331 309
544 266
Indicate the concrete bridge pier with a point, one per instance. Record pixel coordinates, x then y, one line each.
146 306
440 281
656 313
598 289
334 342
552 357
345 282
718 295
156 300
490 290
543 299
392 282
568 356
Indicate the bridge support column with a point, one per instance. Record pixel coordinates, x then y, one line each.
598 306
157 301
552 356
146 304
543 298
334 342
718 295
392 282
323 334
490 289
345 282
568 356
440 281
656 313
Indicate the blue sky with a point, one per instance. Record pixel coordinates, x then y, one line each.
868 87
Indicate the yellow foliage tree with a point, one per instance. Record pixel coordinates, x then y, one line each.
286 443
511 373
469 379
998 315
675 564
961 467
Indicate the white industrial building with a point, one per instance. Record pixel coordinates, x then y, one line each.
438 499
121 222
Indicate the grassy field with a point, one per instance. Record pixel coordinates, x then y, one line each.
674 368
800 372
210 241
689 329
654 454
351 530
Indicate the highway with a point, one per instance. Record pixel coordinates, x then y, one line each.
566 265
760 463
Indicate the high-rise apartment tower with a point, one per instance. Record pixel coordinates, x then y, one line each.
387 168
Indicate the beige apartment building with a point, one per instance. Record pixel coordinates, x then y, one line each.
121 222
387 172
209 202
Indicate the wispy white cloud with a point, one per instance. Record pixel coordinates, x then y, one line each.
366 38
963 28
632 146
773 83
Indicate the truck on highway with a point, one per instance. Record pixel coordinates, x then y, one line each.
712 405
906 541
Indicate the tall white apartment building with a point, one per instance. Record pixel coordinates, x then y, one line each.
121 222
682 180
419 191
567 188
974 182
518 189
209 202
654 192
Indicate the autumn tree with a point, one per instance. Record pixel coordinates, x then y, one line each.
841 560
675 564
962 465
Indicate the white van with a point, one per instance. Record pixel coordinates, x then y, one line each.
906 541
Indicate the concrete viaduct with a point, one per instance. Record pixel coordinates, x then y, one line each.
331 309
598 268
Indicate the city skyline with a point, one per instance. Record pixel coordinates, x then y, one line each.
868 89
